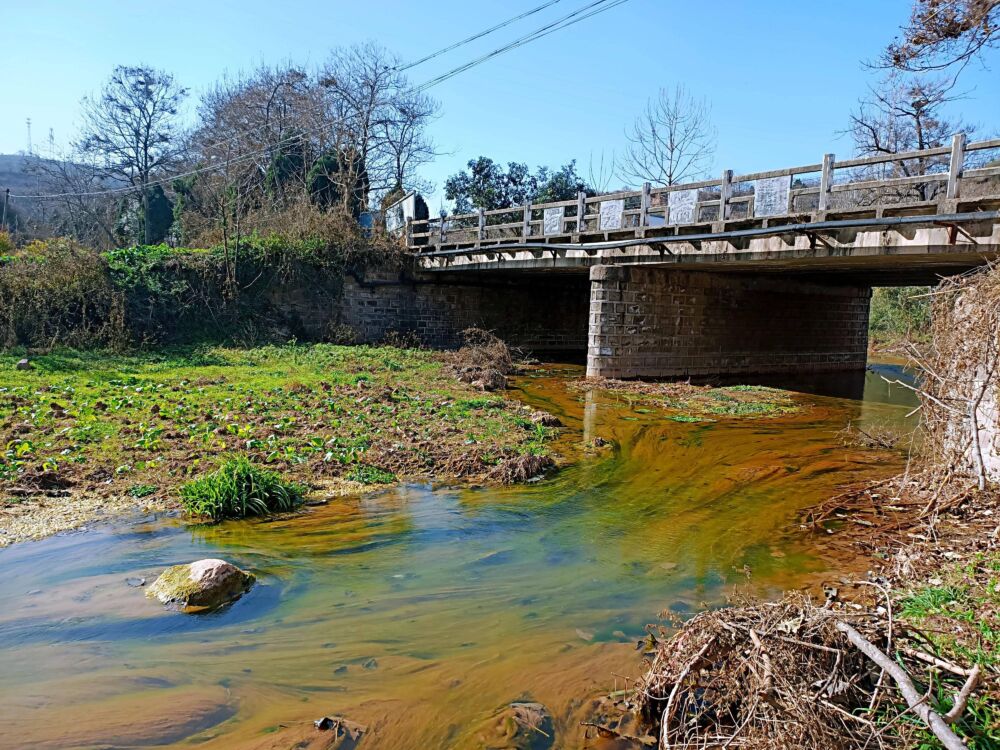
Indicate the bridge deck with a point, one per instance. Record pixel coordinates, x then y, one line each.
936 207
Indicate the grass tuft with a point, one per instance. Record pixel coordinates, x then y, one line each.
366 474
239 489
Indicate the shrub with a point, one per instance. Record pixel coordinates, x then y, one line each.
239 489
57 291
900 312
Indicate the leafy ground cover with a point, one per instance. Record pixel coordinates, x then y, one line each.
86 430
685 402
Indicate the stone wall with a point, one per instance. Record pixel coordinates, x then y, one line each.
535 314
662 323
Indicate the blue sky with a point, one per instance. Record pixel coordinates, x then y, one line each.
781 75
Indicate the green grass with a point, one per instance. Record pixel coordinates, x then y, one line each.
899 314
960 615
238 489
313 412
366 474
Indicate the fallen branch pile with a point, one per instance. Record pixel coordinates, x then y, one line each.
794 674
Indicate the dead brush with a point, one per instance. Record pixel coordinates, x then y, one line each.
872 437
484 360
959 385
792 674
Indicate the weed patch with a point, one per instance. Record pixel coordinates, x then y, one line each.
109 425
366 474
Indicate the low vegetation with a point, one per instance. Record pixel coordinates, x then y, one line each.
685 402
238 489
898 314
59 293
84 425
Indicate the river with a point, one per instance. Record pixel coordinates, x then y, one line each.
421 610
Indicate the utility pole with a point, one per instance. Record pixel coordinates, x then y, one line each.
6 199
28 122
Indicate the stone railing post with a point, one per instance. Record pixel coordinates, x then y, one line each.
581 212
526 229
725 192
644 204
825 181
957 165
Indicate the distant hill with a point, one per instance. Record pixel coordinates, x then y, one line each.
14 173
19 173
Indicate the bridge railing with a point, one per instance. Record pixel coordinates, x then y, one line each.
911 180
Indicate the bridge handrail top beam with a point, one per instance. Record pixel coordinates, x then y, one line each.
800 228
751 176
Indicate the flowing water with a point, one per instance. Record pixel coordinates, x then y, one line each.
421 610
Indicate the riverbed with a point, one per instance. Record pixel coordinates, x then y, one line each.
421 610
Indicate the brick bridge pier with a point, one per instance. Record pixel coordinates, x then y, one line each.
653 322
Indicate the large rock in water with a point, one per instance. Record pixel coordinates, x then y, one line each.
201 585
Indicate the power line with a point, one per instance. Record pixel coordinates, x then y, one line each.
478 35
595 7
550 28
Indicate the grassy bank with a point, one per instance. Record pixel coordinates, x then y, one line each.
684 402
85 433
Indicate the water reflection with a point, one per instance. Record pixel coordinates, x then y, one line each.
422 609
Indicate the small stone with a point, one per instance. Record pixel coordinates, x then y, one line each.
135 582
341 669
25 364
370 664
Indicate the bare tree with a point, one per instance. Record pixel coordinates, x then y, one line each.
284 134
131 130
377 117
80 209
673 141
407 145
601 171
942 33
906 114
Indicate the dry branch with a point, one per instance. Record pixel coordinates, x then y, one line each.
914 699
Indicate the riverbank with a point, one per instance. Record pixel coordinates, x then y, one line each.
907 655
813 674
89 436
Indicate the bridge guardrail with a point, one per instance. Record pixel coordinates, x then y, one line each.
900 182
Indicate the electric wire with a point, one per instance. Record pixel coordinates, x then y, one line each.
479 35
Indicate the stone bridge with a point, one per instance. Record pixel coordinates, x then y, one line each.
764 273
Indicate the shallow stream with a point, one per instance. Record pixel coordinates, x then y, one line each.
421 610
